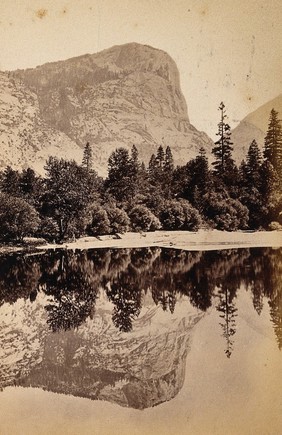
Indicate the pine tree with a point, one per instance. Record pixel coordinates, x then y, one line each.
252 167
10 180
87 160
168 160
134 162
273 142
167 176
153 169
160 157
119 182
222 151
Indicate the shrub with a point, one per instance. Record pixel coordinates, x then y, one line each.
172 216
100 223
192 217
119 221
142 219
225 213
275 226
180 215
17 218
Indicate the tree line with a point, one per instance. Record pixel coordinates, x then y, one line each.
72 200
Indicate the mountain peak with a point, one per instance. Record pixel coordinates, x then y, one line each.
254 126
124 95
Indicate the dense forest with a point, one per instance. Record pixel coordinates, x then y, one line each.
72 200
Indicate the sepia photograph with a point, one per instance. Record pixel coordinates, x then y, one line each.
140 217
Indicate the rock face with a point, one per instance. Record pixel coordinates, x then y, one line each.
254 126
25 138
124 95
139 369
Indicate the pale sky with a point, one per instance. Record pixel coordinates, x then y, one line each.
226 50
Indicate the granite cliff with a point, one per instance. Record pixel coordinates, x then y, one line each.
125 95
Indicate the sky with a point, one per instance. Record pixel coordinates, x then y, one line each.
225 50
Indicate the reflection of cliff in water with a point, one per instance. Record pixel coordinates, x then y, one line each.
116 324
138 369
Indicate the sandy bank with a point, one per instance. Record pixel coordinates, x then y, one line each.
191 241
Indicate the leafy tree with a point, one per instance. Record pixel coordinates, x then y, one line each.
18 219
273 142
119 182
48 228
87 160
70 189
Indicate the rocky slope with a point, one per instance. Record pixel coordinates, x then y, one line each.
254 126
25 138
124 95
138 369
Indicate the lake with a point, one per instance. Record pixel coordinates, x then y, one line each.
141 341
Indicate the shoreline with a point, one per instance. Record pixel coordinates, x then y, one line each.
202 240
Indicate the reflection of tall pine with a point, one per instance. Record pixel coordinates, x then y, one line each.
227 308
223 163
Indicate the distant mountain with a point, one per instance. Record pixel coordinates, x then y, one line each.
125 95
254 126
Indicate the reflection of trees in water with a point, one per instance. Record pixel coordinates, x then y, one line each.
73 290
125 293
227 309
72 280
263 278
19 277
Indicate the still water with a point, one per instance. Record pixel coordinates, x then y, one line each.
151 341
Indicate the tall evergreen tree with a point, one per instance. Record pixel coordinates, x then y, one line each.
10 182
168 169
160 157
119 182
251 169
87 160
222 151
168 160
135 164
273 142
